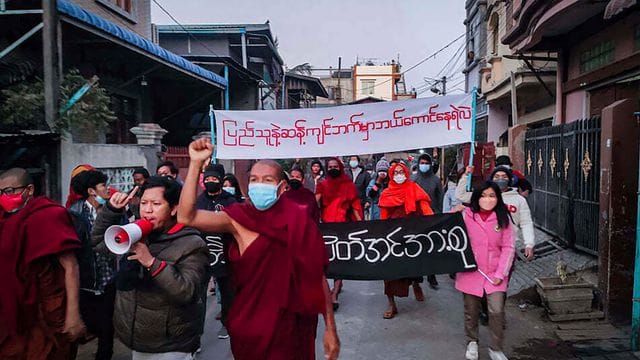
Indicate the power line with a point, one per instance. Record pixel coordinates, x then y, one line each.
455 56
482 43
422 61
185 29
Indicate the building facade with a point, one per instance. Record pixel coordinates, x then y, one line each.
598 78
519 89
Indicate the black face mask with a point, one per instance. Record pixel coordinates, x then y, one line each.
334 173
213 187
295 184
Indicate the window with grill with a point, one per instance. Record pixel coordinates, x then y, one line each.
597 56
368 86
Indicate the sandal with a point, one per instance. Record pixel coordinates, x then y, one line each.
390 314
336 306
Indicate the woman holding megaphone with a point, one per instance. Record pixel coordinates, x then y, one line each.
161 277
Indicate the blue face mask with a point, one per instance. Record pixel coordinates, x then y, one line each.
230 190
424 167
100 200
263 196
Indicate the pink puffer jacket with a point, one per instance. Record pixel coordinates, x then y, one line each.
493 249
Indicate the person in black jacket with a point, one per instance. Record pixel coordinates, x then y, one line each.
97 268
360 178
160 310
216 199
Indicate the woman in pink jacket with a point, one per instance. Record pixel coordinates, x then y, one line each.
491 237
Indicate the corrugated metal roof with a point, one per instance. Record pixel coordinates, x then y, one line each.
138 41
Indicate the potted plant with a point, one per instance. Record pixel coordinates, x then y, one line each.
565 294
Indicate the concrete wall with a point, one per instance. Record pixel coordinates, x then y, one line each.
183 45
139 21
104 156
575 106
498 122
345 84
620 32
383 81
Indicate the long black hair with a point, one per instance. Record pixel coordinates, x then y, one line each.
501 209
235 184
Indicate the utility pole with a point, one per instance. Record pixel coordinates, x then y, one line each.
339 93
51 60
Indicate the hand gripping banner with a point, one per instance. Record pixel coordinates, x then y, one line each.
398 248
341 130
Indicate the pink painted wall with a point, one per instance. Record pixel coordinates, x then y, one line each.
498 122
575 104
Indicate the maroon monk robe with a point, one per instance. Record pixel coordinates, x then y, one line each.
278 282
32 284
304 196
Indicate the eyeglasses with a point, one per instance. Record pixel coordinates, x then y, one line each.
11 190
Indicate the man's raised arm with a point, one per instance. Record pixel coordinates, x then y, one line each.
207 221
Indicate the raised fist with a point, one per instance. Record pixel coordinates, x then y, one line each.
200 150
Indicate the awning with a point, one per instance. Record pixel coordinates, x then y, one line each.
139 43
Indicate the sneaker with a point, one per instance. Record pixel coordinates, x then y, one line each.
497 355
472 351
223 333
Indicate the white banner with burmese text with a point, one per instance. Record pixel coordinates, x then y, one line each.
344 130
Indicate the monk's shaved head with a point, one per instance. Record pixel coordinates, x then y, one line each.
21 176
271 164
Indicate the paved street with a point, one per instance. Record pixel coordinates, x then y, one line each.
429 330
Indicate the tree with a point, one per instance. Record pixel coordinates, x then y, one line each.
23 107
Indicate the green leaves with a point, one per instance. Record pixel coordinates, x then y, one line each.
23 107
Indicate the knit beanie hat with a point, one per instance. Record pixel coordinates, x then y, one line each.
503 169
382 165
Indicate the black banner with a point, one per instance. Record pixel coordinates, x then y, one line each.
398 248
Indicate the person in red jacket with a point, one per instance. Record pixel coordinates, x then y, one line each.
339 202
402 198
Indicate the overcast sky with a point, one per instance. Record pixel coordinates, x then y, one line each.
318 32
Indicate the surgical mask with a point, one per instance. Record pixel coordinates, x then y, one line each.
100 200
263 196
424 167
353 164
11 203
295 184
334 173
399 178
212 187
502 183
230 190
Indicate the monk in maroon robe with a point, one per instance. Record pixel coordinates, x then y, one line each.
39 310
277 262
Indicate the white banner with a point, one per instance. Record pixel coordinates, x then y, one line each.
344 130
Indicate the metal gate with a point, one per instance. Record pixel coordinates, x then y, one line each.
563 166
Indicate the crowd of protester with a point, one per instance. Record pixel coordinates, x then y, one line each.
258 249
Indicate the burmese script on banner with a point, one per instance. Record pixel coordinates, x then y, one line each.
343 130
399 248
